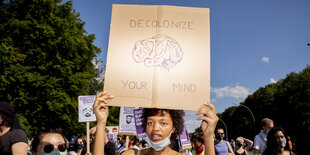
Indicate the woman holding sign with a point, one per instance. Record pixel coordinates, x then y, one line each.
160 125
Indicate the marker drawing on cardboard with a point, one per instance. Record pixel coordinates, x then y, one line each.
158 56
159 50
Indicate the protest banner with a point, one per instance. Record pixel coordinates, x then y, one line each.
184 138
138 123
159 56
86 112
126 121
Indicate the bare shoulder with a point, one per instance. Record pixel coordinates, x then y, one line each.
130 152
178 153
145 151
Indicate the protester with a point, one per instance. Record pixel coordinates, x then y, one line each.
261 138
76 146
289 142
277 142
50 142
197 141
92 138
13 139
122 147
81 146
134 143
243 145
222 147
233 144
109 147
159 126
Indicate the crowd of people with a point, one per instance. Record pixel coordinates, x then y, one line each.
162 127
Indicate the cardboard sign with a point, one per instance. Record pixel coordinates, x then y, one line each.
86 112
126 120
159 56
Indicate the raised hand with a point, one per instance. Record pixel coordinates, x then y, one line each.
209 118
208 125
102 112
101 108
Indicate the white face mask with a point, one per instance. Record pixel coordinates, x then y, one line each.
159 145
282 143
55 152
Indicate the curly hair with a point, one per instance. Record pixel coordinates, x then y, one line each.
272 145
176 116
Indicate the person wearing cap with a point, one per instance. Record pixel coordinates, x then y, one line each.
13 139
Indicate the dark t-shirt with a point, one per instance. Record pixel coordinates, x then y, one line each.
109 148
10 138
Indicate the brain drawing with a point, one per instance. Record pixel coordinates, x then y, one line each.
159 50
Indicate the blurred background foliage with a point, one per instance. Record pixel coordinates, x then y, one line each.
286 102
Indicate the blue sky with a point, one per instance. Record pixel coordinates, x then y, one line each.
253 43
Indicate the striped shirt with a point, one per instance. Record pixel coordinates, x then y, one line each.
260 141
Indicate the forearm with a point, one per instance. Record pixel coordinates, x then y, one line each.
99 139
249 142
209 144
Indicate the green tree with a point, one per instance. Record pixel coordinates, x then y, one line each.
287 102
45 63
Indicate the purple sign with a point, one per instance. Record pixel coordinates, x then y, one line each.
184 138
114 137
110 137
138 123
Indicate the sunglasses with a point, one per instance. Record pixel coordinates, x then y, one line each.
220 133
50 147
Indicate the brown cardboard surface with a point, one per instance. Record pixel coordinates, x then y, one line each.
159 56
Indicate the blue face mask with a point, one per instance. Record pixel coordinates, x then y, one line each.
55 152
159 145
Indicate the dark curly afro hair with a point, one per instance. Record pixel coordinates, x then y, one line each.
176 116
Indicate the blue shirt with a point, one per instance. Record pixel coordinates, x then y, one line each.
221 148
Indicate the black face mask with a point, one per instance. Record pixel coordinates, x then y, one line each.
79 146
239 144
219 137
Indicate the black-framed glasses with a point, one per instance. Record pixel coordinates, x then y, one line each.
50 147
220 133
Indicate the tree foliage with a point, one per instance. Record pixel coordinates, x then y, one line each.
46 63
287 102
